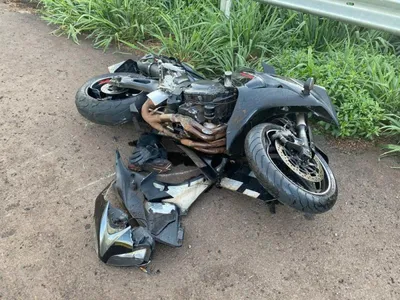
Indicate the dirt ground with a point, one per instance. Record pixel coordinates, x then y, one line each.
53 164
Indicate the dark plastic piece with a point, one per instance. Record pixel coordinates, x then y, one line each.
118 243
129 66
152 193
268 68
127 184
164 223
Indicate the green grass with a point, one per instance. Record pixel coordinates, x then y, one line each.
360 68
105 21
392 129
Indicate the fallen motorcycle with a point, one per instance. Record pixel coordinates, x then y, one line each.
247 131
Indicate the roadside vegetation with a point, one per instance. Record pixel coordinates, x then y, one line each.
393 129
360 68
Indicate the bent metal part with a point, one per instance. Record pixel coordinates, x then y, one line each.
212 140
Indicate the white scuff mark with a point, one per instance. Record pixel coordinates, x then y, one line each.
48 153
94 182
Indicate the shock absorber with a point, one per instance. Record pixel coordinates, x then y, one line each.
301 127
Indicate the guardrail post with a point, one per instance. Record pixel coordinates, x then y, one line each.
225 6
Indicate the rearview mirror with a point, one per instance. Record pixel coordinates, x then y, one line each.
308 86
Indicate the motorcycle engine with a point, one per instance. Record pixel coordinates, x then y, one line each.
191 109
208 101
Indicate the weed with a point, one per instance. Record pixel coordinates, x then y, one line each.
392 128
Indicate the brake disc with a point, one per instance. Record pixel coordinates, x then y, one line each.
311 171
110 89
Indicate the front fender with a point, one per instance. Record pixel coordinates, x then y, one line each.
255 106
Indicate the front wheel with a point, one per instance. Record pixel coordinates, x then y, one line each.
306 186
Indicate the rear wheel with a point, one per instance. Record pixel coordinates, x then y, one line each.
102 103
309 186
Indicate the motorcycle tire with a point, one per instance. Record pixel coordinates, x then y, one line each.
107 111
279 184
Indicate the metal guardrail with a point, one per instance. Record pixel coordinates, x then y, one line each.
377 14
225 6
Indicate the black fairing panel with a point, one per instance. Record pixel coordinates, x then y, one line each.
277 97
268 68
120 241
127 184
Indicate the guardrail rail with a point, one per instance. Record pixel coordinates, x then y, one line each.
377 14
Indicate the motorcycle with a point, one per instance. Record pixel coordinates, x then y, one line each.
246 131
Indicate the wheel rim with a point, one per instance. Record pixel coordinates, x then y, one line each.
103 89
311 171
283 160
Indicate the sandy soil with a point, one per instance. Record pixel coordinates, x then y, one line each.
53 163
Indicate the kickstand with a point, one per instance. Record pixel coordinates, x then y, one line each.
272 206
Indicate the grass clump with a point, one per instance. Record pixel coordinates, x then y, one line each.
393 130
360 68
106 21
345 75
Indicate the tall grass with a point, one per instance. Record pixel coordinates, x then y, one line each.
359 67
105 21
393 130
